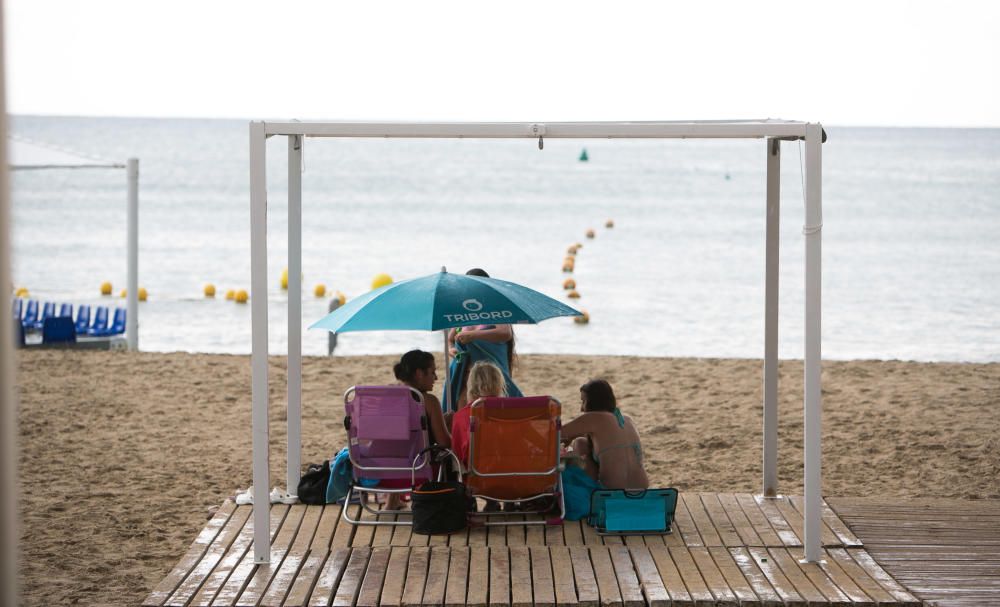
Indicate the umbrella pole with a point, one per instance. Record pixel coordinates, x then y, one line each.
447 374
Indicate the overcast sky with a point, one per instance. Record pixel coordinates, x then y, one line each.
842 63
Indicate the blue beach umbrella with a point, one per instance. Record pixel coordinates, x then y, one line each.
443 301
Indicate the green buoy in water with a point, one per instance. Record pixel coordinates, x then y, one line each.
583 155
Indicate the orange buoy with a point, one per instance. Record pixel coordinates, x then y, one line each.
569 283
609 223
573 294
590 233
582 320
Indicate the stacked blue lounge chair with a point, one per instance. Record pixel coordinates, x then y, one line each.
16 308
117 326
82 319
66 310
30 314
48 311
100 322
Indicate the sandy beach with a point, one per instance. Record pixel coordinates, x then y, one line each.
123 456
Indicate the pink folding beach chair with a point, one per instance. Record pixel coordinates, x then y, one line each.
386 433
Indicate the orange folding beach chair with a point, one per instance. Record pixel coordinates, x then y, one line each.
514 456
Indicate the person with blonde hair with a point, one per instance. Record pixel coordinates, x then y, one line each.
485 380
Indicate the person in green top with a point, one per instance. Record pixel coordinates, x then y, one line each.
605 440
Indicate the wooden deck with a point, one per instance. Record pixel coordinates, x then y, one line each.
946 551
726 549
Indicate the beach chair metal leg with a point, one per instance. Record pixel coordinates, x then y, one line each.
363 494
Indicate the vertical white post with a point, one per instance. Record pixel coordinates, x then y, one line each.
132 303
813 354
258 356
770 463
294 412
8 401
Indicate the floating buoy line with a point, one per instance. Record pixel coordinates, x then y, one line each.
569 263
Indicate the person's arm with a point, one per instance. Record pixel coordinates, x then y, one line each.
498 334
583 425
436 419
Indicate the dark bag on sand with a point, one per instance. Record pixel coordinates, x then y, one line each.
439 506
312 485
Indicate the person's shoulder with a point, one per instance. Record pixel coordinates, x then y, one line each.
430 398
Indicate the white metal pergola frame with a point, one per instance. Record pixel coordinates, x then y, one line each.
773 131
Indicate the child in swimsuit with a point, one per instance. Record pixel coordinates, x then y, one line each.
606 441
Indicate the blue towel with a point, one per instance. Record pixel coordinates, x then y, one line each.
577 489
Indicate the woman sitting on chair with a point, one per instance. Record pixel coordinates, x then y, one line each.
606 441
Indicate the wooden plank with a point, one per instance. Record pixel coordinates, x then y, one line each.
790 567
371 587
699 590
499 576
212 557
720 520
383 533
395 575
590 537
844 582
329 577
685 524
477 535
785 589
554 535
437 576
534 535
649 579
758 581
261 576
458 577
612 540
285 577
480 582
437 539
607 583
573 533
864 581
319 549
781 526
670 576
716 582
761 526
542 584
816 576
401 535
354 573
416 575
587 592
628 582
875 571
496 535
839 533
733 575
562 575
240 575
344 533
635 541
741 524
363 534
201 545
520 576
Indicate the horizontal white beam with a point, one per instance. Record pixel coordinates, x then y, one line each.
748 129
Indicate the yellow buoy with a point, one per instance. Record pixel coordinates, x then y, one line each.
123 293
569 283
609 223
341 298
573 294
582 320
142 294
21 292
284 279
319 290
230 295
590 233
380 281
105 288
241 296
209 290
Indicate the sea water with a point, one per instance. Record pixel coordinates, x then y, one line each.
911 264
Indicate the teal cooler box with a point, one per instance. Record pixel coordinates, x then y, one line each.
624 511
